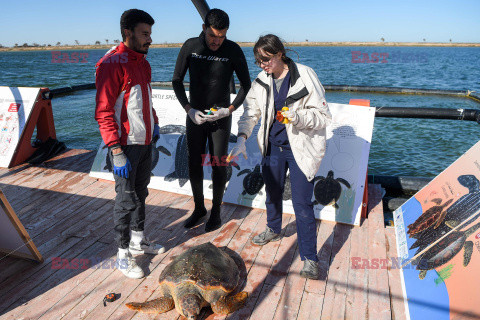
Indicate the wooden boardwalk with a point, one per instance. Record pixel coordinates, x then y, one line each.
69 216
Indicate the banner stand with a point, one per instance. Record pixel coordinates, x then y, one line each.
364 213
41 117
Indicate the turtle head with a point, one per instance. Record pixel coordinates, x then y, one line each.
190 304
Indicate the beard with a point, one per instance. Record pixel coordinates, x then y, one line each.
140 47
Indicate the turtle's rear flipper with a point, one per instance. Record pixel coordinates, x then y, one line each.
467 253
226 305
159 305
171 176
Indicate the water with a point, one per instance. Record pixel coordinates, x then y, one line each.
416 147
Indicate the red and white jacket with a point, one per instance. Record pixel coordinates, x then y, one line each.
124 109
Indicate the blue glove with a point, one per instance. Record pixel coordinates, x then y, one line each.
156 133
121 165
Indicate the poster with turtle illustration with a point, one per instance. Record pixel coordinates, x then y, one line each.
338 187
16 104
438 243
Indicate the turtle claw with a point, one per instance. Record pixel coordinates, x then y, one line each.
226 305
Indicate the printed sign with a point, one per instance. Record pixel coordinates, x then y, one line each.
16 105
342 172
437 242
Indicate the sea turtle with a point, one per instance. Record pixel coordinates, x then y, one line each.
444 250
432 217
201 276
465 207
328 190
253 181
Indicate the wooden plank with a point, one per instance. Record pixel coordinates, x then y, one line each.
45 278
258 272
268 299
82 289
378 288
284 257
357 292
394 277
335 292
292 292
311 306
325 238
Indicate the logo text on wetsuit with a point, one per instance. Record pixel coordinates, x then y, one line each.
211 58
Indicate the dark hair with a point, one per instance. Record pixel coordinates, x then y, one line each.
131 18
269 43
217 19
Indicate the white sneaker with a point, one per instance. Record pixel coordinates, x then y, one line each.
140 245
127 265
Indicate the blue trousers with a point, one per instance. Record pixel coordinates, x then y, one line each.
274 170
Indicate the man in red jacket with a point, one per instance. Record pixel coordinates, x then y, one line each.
128 123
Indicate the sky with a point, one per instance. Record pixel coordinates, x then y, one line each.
88 21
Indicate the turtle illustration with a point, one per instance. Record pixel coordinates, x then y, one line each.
202 276
253 181
432 217
465 207
328 190
181 156
445 250
287 191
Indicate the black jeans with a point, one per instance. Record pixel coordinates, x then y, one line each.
129 209
217 134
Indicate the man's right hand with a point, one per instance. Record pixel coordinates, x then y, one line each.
121 165
196 116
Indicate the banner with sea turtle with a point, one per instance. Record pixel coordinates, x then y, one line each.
438 243
339 185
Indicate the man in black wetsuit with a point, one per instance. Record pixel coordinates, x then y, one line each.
210 60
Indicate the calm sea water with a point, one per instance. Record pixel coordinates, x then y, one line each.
415 147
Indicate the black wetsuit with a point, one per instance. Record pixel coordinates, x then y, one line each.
210 73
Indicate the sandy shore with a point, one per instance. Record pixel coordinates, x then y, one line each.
250 44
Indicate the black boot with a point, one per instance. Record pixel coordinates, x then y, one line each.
196 215
214 222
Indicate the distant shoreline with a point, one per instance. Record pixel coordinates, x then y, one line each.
250 44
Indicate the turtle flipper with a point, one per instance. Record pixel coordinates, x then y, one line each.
422 274
467 253
345 182
164 150
171 176
159 305
226 305
440 219
451 223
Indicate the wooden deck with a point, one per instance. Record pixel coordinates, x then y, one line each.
69 215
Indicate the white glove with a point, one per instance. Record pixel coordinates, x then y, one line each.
196 116
291 116
240 147
216 115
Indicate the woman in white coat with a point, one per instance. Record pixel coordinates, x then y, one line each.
298 145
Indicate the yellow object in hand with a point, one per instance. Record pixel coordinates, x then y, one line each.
281 116
211 111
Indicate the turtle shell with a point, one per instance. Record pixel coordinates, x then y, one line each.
205 266
327 190
442 252
253 182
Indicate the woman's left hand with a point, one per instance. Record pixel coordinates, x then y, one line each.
291 116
